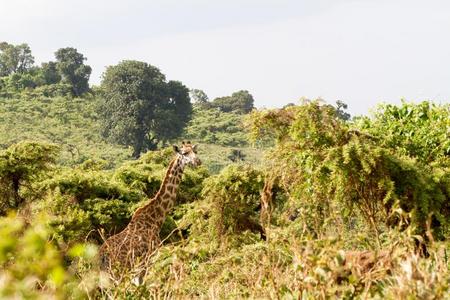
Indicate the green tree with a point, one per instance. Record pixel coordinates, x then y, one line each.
199 98
71 67
15 58
341 110
20 165
174 113
140 108
49 72
239 102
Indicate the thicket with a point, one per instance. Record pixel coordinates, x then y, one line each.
335 209
329 164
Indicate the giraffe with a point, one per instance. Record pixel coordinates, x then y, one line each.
132 247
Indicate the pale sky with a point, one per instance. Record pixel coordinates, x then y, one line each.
361 51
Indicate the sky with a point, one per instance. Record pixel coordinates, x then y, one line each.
362 52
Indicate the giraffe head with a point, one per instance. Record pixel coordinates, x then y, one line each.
188 153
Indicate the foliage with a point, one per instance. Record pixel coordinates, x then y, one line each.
88 203
235 194
140 108
19 75
33 267
321 161
297 267
199 97
212 126
421 130
240 102
236 155
174 114
15 58
49 72
20 165
73 71
346 199
70 123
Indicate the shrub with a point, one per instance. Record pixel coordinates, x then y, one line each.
32 266
85 203
418 130
20 166
235 196
323 162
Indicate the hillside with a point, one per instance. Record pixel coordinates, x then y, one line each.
72 124
332 208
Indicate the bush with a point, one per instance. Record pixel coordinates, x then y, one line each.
87 203
417 130
21 165
51 90
235 194
32 266
323 162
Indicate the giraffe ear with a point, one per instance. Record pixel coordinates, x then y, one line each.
194 148
176 149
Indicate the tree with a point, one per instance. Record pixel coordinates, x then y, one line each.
175 114
240 102
140 108
341 110
71 67
21 164
200 98
49 73
15 58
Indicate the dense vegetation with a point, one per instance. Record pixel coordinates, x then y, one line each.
325 207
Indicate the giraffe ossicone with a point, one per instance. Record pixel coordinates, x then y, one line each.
133 246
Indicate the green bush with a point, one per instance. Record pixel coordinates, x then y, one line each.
32 266
86 202
21 165
323 162
235 194
418 130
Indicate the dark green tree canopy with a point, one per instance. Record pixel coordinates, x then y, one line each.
71 67
140 108
239 102
49 73
198 96
15 58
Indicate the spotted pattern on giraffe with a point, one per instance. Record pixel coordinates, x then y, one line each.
140 239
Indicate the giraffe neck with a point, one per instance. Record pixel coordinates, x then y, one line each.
155 211
167 193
